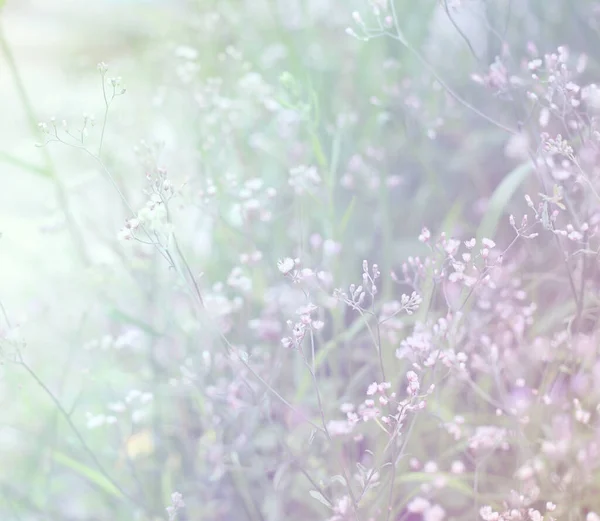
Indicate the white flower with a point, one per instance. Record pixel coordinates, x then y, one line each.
317 324
124 234
133 223
372 389
95 421
304 178
286 265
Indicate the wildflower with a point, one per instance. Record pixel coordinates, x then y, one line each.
341 509
317 325
535 515
286 265
177 504
425 235
304 178
413 383
487 514
125 234
95 421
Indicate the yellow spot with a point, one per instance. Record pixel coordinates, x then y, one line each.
140 444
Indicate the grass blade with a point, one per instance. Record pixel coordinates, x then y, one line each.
500 199
88 473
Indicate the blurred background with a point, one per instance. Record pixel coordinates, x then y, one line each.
221 94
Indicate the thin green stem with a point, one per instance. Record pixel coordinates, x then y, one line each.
398 36
106 107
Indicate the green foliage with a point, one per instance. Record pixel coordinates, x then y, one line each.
169 349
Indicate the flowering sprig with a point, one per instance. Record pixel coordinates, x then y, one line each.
177 504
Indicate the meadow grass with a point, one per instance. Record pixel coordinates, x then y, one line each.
326 260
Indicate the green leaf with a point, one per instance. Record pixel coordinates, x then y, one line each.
500 199
318 150
90 474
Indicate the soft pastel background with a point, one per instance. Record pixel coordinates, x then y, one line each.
221 85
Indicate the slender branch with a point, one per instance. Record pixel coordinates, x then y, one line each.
399 37
106 107
459 30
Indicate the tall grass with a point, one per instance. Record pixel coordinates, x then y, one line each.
330 261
